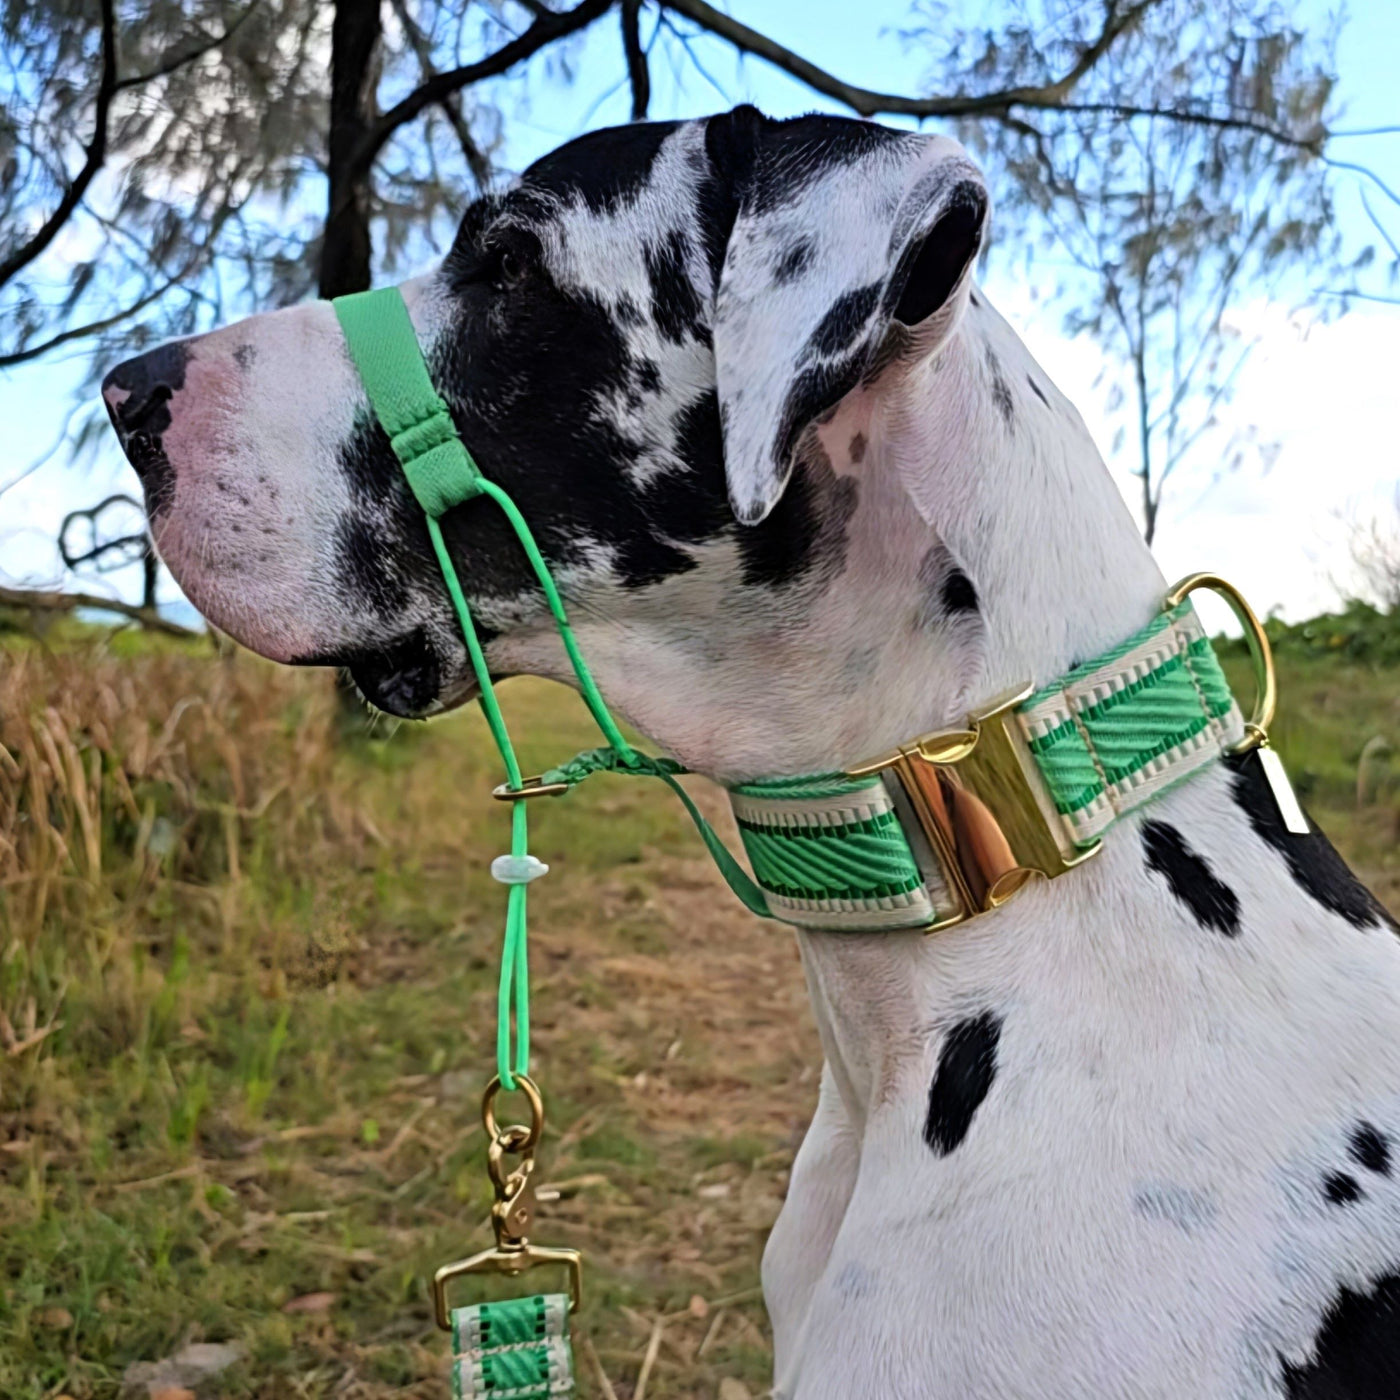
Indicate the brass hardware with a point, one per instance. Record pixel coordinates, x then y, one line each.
529 787
1256 728
507 1261
527 1086
513 1213
978 799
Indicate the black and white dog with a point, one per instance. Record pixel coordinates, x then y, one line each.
1135 1134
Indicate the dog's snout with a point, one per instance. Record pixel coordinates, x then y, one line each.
138 394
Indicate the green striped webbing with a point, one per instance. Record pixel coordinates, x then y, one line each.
837 853
513 1350
1116 731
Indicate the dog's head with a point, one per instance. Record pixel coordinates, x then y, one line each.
636 341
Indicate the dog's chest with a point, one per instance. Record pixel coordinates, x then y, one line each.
1134 1137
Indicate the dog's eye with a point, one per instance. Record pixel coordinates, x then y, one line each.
509 270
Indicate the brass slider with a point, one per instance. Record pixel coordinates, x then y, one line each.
529 787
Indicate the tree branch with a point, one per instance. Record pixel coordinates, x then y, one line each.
95 154
44 601
1050 97
178 60
638 74
477 160
34 352
868 103
547 29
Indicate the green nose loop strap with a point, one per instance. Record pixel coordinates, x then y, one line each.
442 474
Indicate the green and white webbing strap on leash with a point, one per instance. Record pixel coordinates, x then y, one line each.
515 1350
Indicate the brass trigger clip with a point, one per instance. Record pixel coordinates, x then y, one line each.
513 1213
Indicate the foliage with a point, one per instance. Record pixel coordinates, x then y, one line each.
1186 177
1375 554
1360 632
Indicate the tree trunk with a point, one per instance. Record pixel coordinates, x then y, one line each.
345 248
150 572
1150 498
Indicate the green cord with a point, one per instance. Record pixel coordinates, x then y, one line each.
442 474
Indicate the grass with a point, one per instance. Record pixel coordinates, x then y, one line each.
247 980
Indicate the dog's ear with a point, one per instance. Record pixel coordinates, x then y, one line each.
849 248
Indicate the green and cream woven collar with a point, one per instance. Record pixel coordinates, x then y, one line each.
954 824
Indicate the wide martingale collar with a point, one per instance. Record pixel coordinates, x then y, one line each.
953 824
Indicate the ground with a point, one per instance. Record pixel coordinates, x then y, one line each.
247 999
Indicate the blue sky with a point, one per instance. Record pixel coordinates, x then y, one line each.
1323 393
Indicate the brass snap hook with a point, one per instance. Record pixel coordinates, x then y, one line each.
1256 728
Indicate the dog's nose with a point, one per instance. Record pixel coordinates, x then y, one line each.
137 391
137 394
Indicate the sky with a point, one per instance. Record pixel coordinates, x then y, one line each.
1322 393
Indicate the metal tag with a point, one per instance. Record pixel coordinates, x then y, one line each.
1277 777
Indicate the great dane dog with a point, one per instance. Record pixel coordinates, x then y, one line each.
1135 1134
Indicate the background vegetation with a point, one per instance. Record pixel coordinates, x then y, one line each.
247 983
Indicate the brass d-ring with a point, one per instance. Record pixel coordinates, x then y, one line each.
1256 729
526 1085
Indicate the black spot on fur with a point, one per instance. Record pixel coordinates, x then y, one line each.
1341 1188
1214 905
1356 1354
648 375
857 448
1001 390
795 260
783 157
246 355
628 312
604 168
675 306
972 297
1037 390
1371 1148
958 593
813 392
1312 860
847 316
946 594
367 571
967 1065
805 536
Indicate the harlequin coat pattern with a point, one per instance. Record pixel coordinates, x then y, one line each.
1135 1134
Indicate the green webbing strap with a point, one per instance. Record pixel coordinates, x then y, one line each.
514 1350
592 761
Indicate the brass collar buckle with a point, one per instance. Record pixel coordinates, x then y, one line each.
980 805
976 809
